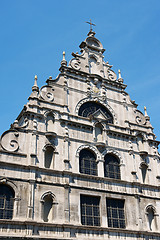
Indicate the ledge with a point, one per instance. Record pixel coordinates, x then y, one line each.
78 227
14 153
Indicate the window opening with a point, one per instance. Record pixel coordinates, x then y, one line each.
143 168
87 162
49 153
90 214
111 167
150 211
89 108
115 213
6 202
47 212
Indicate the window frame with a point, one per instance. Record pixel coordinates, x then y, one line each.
93 166
112 165
89 108
117 221
89 207
7 203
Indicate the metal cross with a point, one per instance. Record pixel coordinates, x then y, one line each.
91 24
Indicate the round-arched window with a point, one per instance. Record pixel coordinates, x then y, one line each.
87 162
6 202
111 167
89 108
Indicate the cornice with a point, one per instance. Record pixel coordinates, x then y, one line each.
65 70
75 226
85 177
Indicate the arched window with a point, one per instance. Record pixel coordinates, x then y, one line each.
89 108
111 167
87 162
47 211
49 157
143 167
6 202
150 211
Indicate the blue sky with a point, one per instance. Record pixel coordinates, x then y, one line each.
34 33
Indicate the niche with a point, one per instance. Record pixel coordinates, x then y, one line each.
150 211
47 209
140 143
93 65
49 157
50 122
143 167
98 133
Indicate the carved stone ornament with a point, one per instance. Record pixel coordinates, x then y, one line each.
9 140
25 123
46 92
75 63
140 118
111 75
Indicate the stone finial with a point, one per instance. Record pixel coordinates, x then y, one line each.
119 73
146 115
64 62
120 79
35 88
145 111
64 55
15 124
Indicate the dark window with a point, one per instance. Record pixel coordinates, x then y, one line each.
111 167
49 153
90 211
115 213
87 162
89 108
6 202
47 208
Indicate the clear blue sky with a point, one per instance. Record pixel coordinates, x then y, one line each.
34 33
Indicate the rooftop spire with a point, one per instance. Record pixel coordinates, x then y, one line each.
35 88
120 79
64 62
145 111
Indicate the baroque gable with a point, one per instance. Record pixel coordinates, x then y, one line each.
78 157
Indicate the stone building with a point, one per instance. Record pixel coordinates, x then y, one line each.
80 161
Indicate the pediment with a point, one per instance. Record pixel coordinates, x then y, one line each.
99 114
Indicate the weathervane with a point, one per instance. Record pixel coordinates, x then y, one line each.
91 24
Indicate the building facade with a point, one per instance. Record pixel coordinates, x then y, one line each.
80 161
